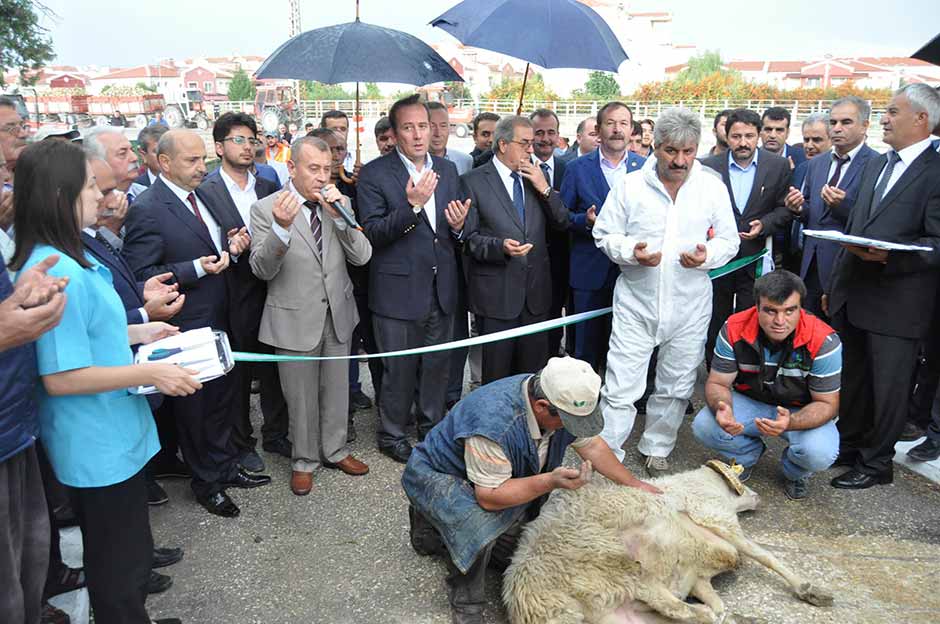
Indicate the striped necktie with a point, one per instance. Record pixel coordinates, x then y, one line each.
315 225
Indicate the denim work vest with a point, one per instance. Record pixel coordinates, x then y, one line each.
435 478
19 413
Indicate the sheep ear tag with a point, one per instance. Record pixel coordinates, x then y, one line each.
729 473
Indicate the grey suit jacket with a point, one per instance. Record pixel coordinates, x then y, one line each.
301 284
499 285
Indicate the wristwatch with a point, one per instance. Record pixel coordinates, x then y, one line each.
547 192
417 209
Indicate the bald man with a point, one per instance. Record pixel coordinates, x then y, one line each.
175 228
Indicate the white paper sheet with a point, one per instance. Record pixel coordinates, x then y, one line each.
861 241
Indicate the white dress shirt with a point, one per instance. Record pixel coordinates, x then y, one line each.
284 234
613 173
505 175
845 168
243 198
551 167
907 155
430 208
215 233
151 176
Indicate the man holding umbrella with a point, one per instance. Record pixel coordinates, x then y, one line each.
409 211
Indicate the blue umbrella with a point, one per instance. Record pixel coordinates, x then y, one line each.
559 33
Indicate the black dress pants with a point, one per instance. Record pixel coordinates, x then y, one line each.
732 293
814 292
402 377
118 548
877 372
525 354
273 406
205 420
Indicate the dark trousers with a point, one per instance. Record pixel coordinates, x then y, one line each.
814 292
204 420
167 431
458 357
401 376
117 547
364 334
877 372
273 406
592 337
525 354
24 538
731 293
926 381
56 496
466 592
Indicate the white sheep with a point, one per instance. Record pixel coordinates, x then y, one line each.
608 554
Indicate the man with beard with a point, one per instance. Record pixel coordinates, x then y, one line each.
757 183
584 190
483 126
775 128
112 146
384 136
721 137
663 293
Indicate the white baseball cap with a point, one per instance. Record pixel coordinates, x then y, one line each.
573 388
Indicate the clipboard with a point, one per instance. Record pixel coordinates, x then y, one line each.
205 350
838 237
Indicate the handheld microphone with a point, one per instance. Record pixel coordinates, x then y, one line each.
347 215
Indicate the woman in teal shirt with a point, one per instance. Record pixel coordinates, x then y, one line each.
98 436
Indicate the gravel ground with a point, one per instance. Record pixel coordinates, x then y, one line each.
341 554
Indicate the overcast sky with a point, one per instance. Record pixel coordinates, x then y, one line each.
105 32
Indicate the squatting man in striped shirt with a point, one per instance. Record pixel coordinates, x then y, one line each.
776 373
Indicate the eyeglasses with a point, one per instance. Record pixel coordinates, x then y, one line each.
524 144
15 128
240 140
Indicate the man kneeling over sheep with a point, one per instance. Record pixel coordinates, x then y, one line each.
776 372
488 466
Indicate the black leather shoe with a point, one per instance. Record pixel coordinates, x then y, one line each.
928 450
158 583
400 451
245 480
844 458
855 480
358 400
163 557
351 434
172 468
219 504
281 446
156 495
168 621
911 432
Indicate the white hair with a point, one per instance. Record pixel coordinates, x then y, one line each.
816 118
677 126
91 141
923 98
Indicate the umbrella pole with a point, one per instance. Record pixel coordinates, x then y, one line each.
525 77
358 155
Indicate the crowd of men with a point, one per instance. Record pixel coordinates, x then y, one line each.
438 244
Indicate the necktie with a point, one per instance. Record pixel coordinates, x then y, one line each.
545 172
191 198
518 196
893 159
104 241
840 162
315 225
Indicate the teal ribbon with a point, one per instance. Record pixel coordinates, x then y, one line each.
516 332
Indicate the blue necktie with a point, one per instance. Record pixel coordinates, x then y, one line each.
518 196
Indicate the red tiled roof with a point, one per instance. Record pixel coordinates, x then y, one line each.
746 65
144 71
893 60
675 69
777 67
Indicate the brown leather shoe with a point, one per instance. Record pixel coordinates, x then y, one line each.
301 482
350 465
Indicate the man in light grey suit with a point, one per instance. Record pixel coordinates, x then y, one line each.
300 246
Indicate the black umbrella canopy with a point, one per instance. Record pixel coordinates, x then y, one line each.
930 52
357 52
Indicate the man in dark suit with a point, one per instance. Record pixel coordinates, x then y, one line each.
545 130
234 187
147 140
774 130
174 228
512 207
483 126
407 202
882 303
587 181
758 183
789 243
829 192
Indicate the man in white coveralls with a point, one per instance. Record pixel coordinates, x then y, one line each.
666 226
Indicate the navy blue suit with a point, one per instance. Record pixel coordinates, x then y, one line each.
413 283
797 154
819 255
128 288
143 179
247 295
162 235
592 274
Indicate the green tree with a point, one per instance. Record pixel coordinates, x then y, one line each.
24 44
371 92
705 64
241 88
313 90
459 90
602 86
143 86
509 88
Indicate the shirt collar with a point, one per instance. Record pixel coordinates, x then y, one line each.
852 152
232 185
410 166
609 163
151 176
550 162
503 171
534 431
732 163
911 152
180 192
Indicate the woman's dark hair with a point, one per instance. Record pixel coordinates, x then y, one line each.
50 176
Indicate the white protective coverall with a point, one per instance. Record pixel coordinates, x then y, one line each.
668 305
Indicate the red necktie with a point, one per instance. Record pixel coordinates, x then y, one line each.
191 198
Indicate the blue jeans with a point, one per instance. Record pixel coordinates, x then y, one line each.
809 450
